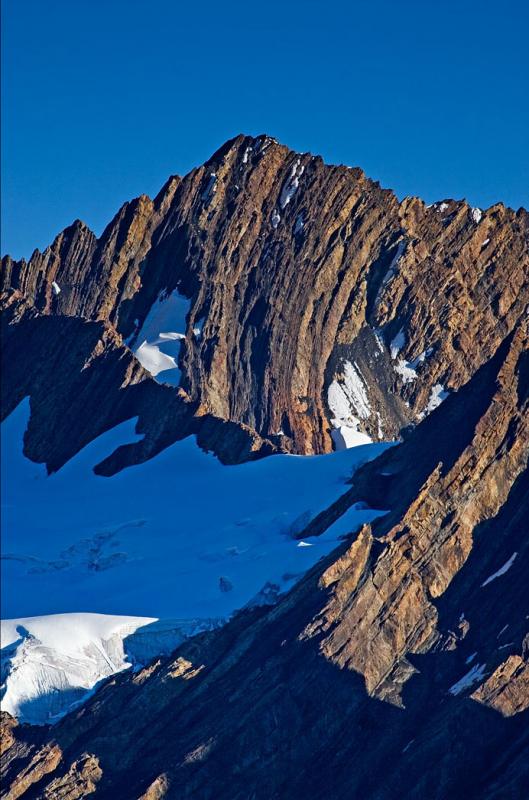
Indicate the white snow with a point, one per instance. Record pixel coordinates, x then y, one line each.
484 243
379 339
291 185
210 189
502 570
197 329
160 336
397 343
477 214
299 224
246 155
161 540
437 394
276 218
155 539
392 269
346 436
348 401
154 361
408 369
49 663
441 207
474 675
349 395
56 288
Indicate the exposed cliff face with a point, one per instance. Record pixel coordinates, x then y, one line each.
425 610
382 607
299 273
82 381
398 666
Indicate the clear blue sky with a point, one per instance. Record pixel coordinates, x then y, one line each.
103 99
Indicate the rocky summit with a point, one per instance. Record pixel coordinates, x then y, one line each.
270 305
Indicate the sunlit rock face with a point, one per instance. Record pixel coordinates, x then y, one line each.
371 634
272 275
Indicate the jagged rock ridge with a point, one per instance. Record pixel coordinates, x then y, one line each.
399 666
298 273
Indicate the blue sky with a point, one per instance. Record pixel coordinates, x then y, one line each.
103 99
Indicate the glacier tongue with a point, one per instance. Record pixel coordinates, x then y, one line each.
50 663
180 537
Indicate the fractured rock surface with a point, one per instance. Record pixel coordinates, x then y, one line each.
319 307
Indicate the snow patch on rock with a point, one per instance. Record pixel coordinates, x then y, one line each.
276 218
348 401
291 185
393 267
397 343
299 225
408 369
160 337
502 570
474 675
348 395
437 394
211 188
153 360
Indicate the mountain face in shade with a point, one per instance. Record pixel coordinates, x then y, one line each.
268 303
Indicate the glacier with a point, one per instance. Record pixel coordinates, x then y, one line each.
51 664
180 537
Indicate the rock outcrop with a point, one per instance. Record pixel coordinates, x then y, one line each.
398 666
82 380
299 273
414 611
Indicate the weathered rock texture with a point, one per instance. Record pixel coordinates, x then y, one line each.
294 266
398 667
82 381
